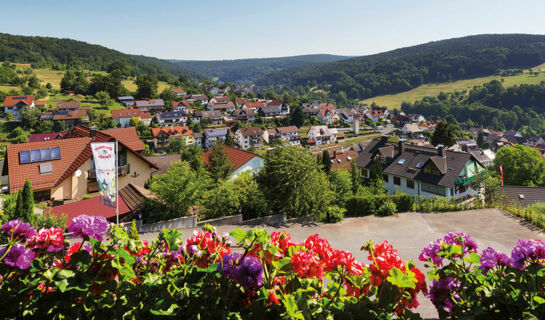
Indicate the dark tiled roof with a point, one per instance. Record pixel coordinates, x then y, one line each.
416 159
164 162
133 196
523 195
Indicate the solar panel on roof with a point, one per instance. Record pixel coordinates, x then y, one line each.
19 98
35 155
55 153
24 157
45 154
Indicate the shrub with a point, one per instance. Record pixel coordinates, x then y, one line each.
333 214
403 202
133 231
387 208
358 206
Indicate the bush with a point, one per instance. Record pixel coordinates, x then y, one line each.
387 208
359 206
333 214
403 202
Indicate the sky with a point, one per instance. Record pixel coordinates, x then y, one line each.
234 29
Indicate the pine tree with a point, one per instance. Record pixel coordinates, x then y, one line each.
27 202
298 117
326 161
219 164
355 175
19 207
229 140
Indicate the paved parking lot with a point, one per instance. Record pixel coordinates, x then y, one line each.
410 232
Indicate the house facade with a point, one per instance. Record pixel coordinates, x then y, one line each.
171 118
14 104
249 138
123 117
213 136
286 135
63 169
242 160
422 171
322 135
152 106
163 136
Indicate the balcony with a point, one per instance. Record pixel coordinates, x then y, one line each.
121 171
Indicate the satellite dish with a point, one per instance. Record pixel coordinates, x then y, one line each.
78 173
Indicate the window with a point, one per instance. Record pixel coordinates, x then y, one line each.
432 170
397 181
92 186
432 188
410 184
401 161
364 172
43 195
419 165
385 177
46 168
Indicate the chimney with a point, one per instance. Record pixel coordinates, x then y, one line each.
334 153
401 145
384 138
92 131
441 150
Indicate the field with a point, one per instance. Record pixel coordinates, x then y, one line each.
433 89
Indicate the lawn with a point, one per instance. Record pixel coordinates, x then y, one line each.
433 89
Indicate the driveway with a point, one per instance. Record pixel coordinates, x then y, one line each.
410 232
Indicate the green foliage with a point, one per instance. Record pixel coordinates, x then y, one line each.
253 203
229 140
30 118
445 134
293 182
147 87
133 231
378 204
375 172
103 98
27 210
326 161
176 146
522 166
193 156
297 117
219 164
224 200
340 183
177 190
387 208
333 214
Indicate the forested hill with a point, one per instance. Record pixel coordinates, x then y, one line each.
49 52
249 70
406 68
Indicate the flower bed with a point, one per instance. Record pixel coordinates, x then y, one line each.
271 276
110 275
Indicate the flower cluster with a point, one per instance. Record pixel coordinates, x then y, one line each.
17 230
50 240
526 252
491 258
207 247
246 271
430 252
18 256
444 293
89 226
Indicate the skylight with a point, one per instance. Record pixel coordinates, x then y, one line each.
419 165
401 161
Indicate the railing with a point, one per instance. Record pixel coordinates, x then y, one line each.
121 171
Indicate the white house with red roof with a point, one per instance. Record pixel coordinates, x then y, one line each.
242 160
178 92
14 104
123 117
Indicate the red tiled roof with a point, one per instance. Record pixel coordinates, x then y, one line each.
222 98
90 207
11 101
172 131
126 113
239 157
40 103
36 137
68 104
175 104
18 173
254 104
178 91
275 103
145 115
127 136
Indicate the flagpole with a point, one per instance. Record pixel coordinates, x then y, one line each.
117 181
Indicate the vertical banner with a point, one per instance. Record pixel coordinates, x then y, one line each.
105 166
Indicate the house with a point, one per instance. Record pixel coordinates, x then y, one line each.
255 105
68 105
162 136
63 169
40 104
222 106
218 99
131 203
421 171
164 161
416 118
400 119
36 137
244 115
241 101
327 113
171 118
466 145
247 138
342 159
274 111
242 160
183 105
485 157
123 117
178 92
14 104
410 129
346 116
208 117
198 137
126 100
322 135
523 196
71 118
153 106
200 98
287 135
311 111
376 114
213 136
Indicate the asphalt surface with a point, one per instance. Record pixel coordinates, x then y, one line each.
409 233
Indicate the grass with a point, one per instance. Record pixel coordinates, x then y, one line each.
433 89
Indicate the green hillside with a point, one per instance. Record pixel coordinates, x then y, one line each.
249 70
408 68
48 53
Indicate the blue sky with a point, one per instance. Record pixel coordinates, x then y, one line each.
230 29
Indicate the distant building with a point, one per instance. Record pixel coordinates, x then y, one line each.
14 104
249 137
163 136
213 136
243 160
123 117
322 135
286 135
152 106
